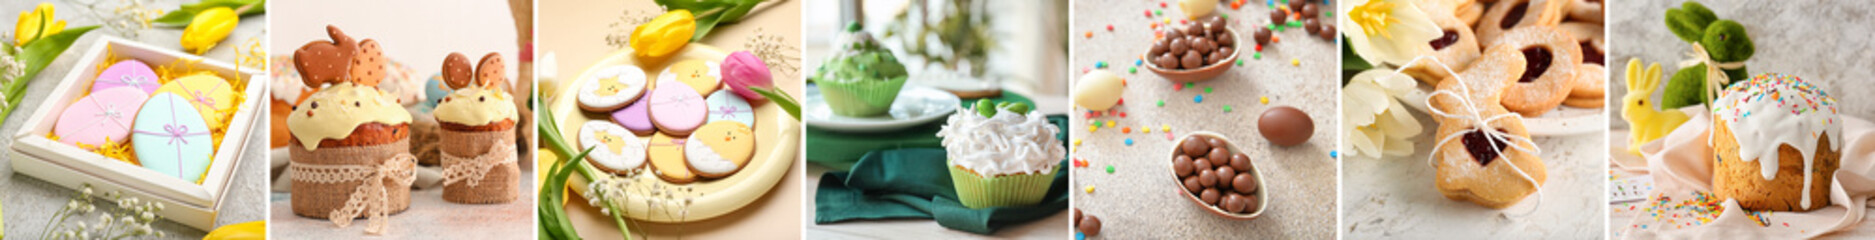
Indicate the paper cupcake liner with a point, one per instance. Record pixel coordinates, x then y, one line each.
316 200
1008 190
859 98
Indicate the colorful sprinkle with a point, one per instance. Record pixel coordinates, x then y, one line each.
1295 62
1207 89
1258 55
1090 188
1110 123
1109 168
1239 62
1198 99
1161 103
1126 130
1136 69
1090 34
1109 27
1226 108
1168 135
1264 100
1334 154
1077 142
1129 141
1093 128
1166 127
1145 129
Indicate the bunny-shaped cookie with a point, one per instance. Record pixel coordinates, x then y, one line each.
1646 123
322 61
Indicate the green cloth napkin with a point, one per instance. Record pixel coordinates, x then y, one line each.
915 183
838 150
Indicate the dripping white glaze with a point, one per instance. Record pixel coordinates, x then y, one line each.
1772 110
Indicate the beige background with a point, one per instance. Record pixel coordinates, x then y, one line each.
575 32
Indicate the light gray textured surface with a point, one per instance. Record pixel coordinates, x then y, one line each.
1139 200
30 201
1824 42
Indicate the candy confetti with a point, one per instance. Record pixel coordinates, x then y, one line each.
1198 99
1109 168
1110 123
1161 103
1136 69
1334 154
1207 89
1145 129
1257 55
1126 130
1093 128
1226 108
1168 135
1264 100
1109 27
1090 188
1100 65
1077 142
1129 141
1090 34
1295 62
1165 127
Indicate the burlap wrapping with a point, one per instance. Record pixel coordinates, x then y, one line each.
466 151
317 200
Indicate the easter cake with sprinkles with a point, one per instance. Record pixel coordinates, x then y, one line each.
1777 141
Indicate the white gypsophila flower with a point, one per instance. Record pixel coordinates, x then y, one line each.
128 219
148 217
105 219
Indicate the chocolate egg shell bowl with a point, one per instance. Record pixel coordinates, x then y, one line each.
1211 171
1181 56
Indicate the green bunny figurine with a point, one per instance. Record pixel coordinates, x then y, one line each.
1725 41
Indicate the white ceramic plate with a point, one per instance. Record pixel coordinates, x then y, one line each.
1563 121
915 105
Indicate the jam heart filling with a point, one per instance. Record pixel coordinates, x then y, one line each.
1475 143
1443 41
1515 15
1590 54
1537 60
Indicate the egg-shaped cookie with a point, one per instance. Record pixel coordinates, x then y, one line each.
618 151
127 73
719 149
172 138
703 76
636 117
611 88
725 105
667 159
675 109
211 95
102 117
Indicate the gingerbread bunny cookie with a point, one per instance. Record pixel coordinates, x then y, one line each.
322 61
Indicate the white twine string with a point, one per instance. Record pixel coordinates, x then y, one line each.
371 197
1480 123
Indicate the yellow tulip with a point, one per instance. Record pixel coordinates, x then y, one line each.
239 231
209 27
663 35
36 24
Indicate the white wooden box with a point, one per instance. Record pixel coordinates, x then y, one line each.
185 202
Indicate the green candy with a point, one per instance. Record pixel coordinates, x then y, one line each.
1727 42
988 108
1016 107
985 108
1689 22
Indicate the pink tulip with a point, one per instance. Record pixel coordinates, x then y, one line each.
743 70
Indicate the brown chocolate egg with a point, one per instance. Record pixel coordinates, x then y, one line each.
1285 126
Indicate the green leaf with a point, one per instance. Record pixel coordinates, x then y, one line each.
37 54
182 16
786 102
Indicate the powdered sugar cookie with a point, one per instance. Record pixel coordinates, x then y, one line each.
127 73
636 117
1550 72
99 118
727 106
1457 48
703 76
667 159
1591 82
719 149
676 109
1586 10
1589 37
617 150
611 88
1511 14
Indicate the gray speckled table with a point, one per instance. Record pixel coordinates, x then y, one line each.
1823 42
1138 200
30 201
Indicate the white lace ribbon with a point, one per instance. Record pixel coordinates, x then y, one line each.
371 195
1715 70
1480 123
474 169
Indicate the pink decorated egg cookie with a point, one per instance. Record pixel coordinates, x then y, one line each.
676 108
636 117
127 73
719 149
102 117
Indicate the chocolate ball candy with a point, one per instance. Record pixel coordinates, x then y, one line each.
1193 29
1192 60
1278 17
1167 61
1178 46
1243 183
1226 40
1328 32
1191 184
1218 156
1233 202
1158 48
1285 126
1194 145
1263 36
1225 50
1200 163
1215 58
1182 165
1312 26
1225 174
1174 33
1076 218
1202 45
1210 196
1207 178
1311 11
1090 225
1218 143
1216 24
1240 162
1297 4
1250 203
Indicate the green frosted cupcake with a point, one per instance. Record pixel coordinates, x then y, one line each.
1001 156
861 81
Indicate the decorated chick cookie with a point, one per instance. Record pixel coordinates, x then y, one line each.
727 106
127 73
171 139
636 117
675 109
99 118
703 76
617 150
667 158
719 149
612 88
209 93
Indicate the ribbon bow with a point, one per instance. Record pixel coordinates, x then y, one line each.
1715 70
1480 123
474 169
199 96
729 111
372 194
175 133
131 80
